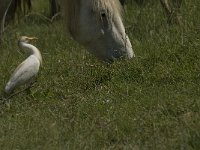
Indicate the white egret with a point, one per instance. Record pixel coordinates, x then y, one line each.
26 72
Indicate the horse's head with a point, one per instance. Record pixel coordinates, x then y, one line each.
97 24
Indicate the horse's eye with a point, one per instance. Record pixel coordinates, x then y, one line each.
104 19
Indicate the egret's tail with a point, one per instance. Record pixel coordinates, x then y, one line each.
9 88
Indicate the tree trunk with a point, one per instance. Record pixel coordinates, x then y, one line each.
54 7
172 10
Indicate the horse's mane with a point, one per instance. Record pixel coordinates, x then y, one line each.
71 11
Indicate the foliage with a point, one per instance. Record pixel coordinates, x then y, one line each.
150 102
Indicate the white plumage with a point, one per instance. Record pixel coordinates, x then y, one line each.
26 72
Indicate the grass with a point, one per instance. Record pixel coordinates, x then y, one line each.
150 102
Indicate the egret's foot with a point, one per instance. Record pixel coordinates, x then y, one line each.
3 97
29 91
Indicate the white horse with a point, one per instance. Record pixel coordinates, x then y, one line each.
97 24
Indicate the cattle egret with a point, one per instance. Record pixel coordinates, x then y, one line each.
26 72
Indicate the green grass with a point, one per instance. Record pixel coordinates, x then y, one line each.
150 102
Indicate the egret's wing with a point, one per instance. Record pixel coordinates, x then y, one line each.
25 71
18 68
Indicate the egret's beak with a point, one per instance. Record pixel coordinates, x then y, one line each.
32 38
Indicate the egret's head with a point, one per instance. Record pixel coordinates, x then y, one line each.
26 39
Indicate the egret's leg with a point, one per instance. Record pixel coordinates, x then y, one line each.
28 89
2 98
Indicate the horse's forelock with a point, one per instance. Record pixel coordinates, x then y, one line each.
112 6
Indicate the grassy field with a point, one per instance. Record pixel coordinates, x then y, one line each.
150 102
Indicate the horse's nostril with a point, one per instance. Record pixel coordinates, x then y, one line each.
103 14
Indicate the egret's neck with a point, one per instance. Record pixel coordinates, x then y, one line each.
31 49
